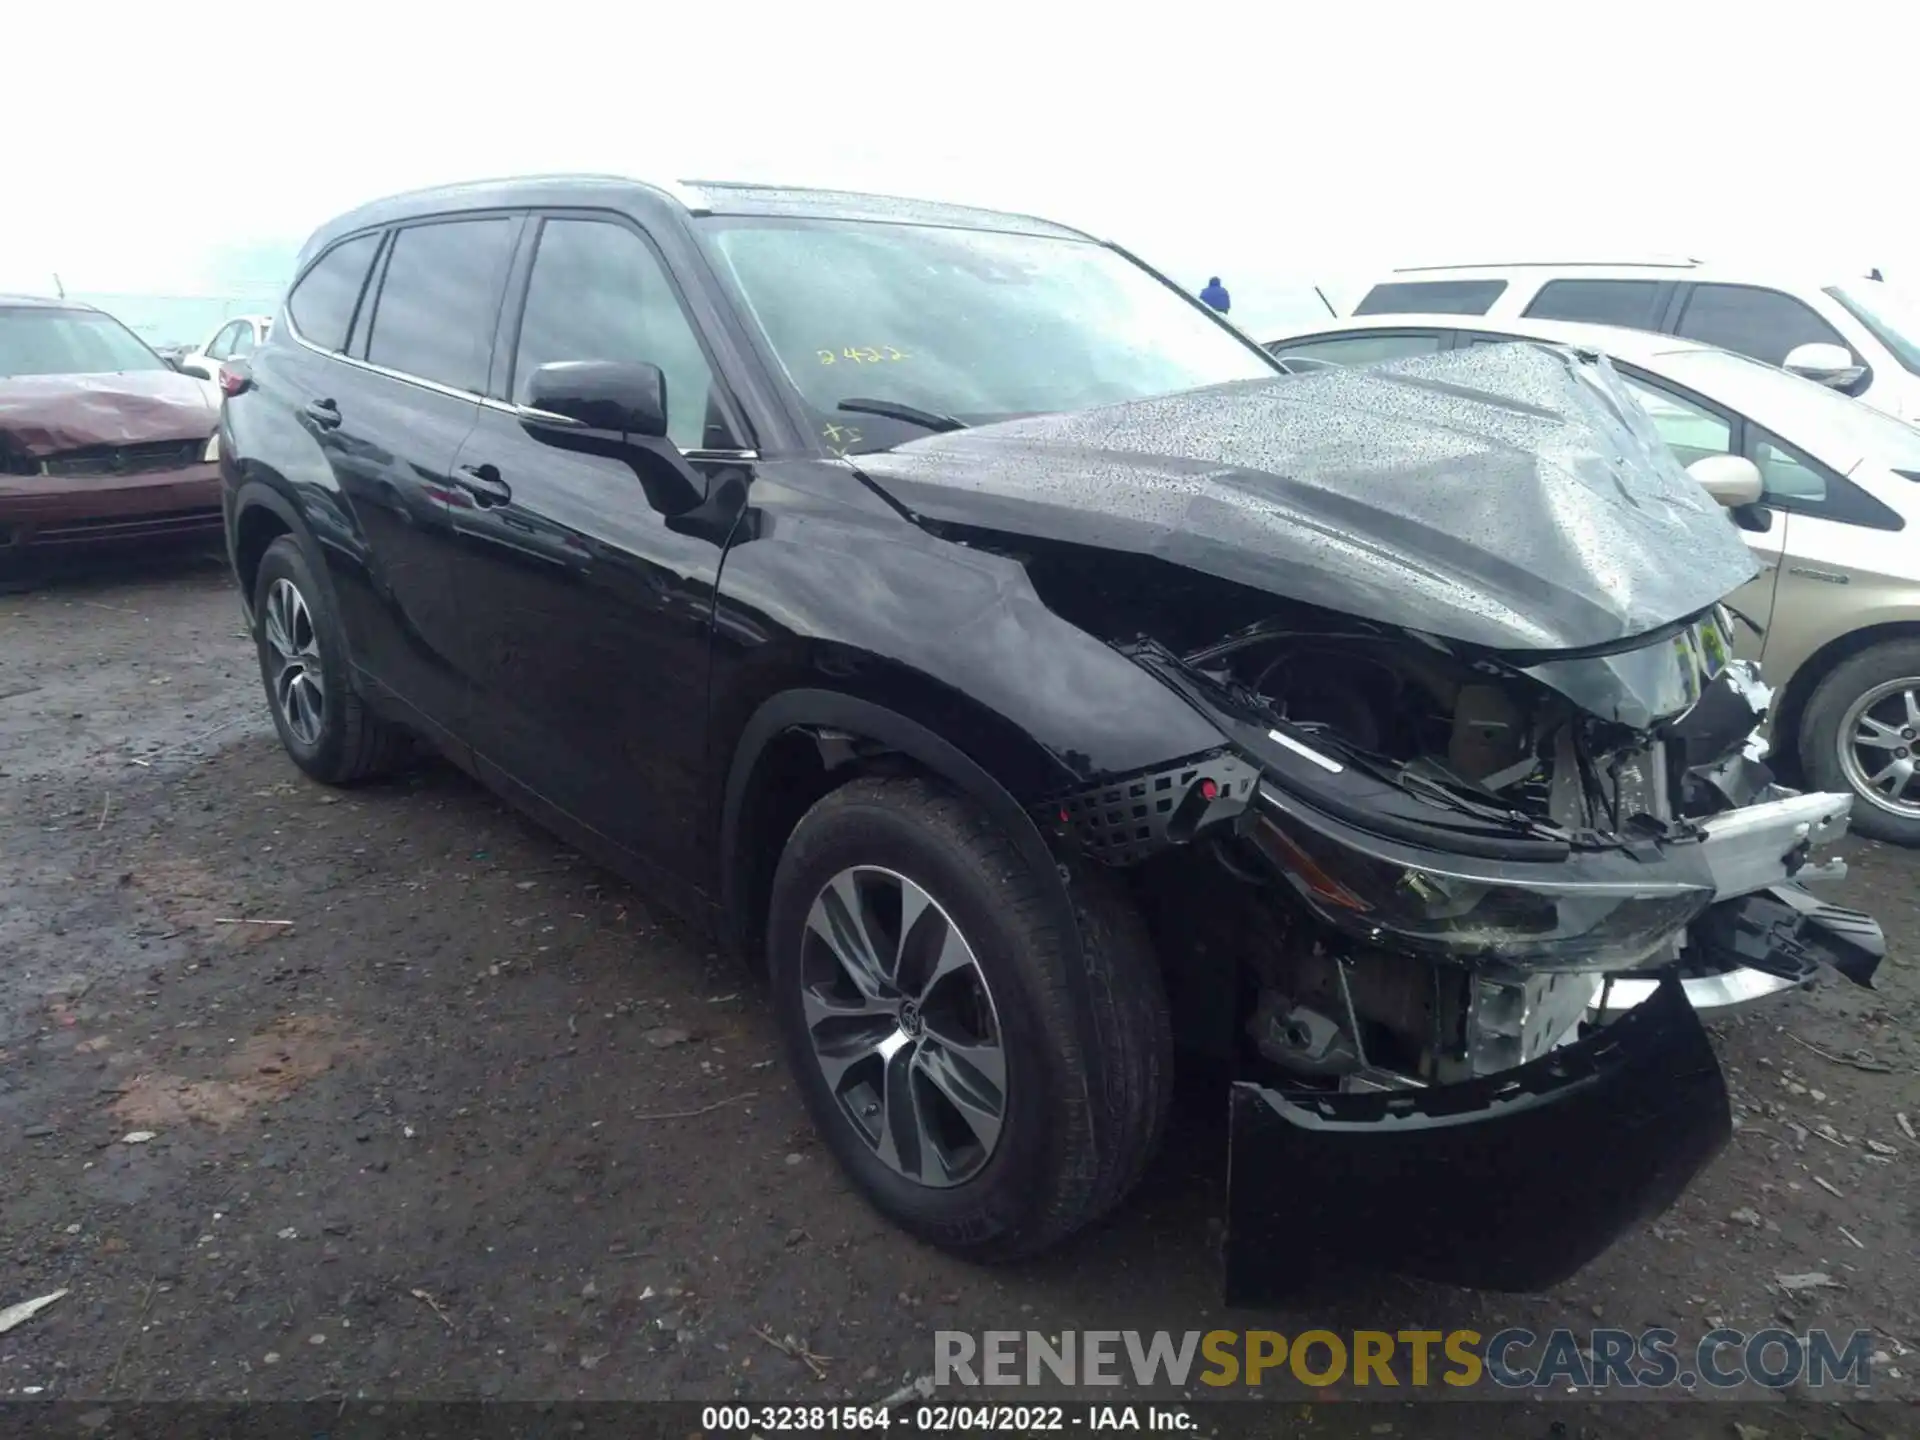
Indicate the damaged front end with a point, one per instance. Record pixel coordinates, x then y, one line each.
1468 914
1490 821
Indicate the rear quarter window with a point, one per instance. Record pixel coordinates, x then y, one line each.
322 304
1431 297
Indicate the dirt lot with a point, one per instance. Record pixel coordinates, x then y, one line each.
438 1109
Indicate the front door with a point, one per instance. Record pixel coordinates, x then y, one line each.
1694 431
589 606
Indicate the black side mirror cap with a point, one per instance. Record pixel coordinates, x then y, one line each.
611 396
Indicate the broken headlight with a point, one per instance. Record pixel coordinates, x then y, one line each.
1602 911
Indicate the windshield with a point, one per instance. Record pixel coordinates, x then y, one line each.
1835 429
969 325
1893 319
44 341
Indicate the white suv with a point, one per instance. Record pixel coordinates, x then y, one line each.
1802 327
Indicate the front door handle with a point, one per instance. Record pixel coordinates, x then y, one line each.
483 482
324 413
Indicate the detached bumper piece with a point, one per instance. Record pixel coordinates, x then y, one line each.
1765 944
1510 1182
1784 931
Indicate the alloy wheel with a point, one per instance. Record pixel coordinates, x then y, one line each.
1880 746
903 1026
298 684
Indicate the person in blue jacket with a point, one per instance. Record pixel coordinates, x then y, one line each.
1216 295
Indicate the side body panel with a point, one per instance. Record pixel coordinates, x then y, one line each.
826 587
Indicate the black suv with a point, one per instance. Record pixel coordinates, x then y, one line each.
1001 651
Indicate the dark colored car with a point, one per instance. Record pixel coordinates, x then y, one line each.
100 439
997 648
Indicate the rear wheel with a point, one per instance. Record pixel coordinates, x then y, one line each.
923 995
1862 734
324 725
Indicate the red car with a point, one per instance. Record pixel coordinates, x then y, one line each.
100 439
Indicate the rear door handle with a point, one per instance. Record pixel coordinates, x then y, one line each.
324 413
483 482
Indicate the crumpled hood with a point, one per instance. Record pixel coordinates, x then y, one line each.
42 415
1508 496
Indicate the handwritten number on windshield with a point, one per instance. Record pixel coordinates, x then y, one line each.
863 355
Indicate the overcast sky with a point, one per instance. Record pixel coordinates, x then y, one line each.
191 148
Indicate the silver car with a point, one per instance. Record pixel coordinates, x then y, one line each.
1824 490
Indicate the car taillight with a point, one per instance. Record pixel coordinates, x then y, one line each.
233 381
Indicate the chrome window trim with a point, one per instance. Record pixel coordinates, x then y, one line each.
518 412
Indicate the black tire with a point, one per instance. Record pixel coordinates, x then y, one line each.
1821 738
1079 1128
351 743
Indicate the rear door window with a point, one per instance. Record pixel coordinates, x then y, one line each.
1635 304
1431 297
1750 320
322 304
439 300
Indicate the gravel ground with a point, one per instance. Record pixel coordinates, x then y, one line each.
438 1109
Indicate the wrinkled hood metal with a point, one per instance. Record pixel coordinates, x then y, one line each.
42 415
1509 496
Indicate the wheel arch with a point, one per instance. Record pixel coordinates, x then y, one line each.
261 515
798 745
1791 709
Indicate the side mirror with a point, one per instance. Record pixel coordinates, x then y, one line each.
1824 364
1733 480
614 397
199 372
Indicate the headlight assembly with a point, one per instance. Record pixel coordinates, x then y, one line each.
1587 912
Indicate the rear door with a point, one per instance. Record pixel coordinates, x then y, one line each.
1631 304
1840 548
393 412
588 592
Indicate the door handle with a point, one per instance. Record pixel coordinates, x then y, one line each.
324 413
483 482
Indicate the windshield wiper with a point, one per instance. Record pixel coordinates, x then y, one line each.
893 410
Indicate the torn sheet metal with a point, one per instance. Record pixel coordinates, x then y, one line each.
1510 497
1766 844
1508 1182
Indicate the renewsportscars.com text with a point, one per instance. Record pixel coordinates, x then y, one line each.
1510 1359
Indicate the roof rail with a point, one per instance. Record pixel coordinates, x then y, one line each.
1646 262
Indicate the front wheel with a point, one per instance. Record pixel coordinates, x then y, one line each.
325 727
1862 734
923 994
